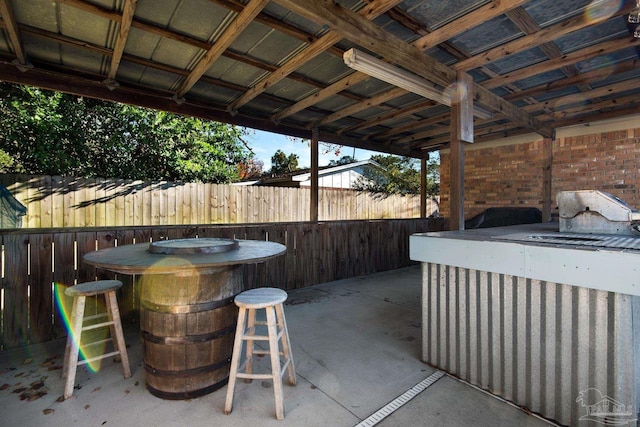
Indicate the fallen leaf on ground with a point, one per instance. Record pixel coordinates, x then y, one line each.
37 384
96 389
27 361
48 411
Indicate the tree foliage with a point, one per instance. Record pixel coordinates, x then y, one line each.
52 133
344 160
251 169
281 163
399 175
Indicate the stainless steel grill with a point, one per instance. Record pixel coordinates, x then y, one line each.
593 211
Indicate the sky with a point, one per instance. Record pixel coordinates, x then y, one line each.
265 144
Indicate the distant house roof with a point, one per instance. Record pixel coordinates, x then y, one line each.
11 210
342 176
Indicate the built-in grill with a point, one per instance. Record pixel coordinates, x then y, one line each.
593 211
590 219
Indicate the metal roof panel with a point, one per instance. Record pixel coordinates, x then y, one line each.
435 13
487 35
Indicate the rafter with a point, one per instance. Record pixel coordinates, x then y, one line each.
10 25
390 115
372 11
488 11
128 11
369 103
585 54
564 114
353 27
242 21
590 76
532 40
467 21
557 103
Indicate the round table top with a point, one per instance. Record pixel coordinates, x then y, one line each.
136 259
260 298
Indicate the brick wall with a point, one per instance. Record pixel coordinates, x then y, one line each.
512 175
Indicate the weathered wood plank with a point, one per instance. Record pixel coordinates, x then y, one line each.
15 330
64 275
40 283
128 292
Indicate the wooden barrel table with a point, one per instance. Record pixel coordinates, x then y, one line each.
187 315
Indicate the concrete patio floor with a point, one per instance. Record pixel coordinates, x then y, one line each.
356 347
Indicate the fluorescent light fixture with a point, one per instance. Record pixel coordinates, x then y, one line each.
634 15
398 77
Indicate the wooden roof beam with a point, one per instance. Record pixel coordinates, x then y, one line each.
242 21
128 11
590 76
532 40
390 115
370 12
488 11
11 27
599 115
355 28
65 81
467 21
369 103
581 110
556 103
604 48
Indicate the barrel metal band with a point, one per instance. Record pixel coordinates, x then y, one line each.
185 309
189 339
172 395
186 372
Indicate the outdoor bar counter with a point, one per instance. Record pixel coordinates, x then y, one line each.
535 317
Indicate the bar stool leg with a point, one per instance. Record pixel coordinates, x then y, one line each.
117 334
274 351
286 344
251 324
67 350
75 332
237 349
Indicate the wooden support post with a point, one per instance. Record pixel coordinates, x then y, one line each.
423 187
547 178
461 132
314 175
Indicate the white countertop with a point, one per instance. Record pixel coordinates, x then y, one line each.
490 249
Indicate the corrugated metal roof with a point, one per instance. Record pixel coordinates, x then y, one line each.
573 47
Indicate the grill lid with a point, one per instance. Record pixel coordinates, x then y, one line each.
594 211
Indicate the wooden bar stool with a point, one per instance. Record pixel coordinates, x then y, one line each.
80 292
269 299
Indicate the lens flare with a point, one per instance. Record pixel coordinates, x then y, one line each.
601 68
600 10
96 338
456 91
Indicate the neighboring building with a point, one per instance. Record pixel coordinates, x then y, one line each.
11 210
342 176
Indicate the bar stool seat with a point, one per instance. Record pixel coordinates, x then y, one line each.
79 293
271 300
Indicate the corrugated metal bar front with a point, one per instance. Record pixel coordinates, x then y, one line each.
538 344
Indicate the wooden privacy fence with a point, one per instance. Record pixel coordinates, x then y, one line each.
36 262
55 201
